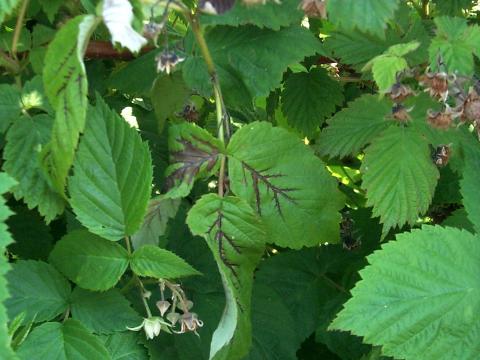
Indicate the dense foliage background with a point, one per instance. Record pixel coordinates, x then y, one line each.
239 180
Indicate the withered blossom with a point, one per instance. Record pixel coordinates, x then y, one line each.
167 60
152 326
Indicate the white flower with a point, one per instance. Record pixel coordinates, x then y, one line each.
152 326
167 60
118 16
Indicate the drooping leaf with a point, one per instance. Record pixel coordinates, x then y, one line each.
399 176
65 83
67 341
37 289
7 7
298 204
25 140
194 154
150 260
89 260
6 183
103 312
9 104
160 211
236 237
308 98
112 177
469 188
416 299
355 126
368 15
125 346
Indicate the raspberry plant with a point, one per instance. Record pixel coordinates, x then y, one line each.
239 179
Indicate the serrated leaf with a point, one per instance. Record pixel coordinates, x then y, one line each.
416 299
368 16
385 69
89 261
66 87
37 289
453 7
399 176
469 188
160 211
236 237
243 57
112 177
25 141
67 341
298 204
194 154
273 15
355 126
9 104
103 312
125 346
50 7
7 7
308 98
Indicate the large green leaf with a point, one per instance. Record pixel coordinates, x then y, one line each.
89 260
7 7
399 176
67 341
152 261
273 15
355 126
6 182
286 183
103 312
37 289
65 83
112 177
125 346
309 97
22 160
243 57
453 7
9 104
236 238
417 299
367 15
470 193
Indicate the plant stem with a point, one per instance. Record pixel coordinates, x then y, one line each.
18 27
8 63
334 284
425 9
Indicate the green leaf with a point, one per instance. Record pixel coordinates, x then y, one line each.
89 260
112 177
453 7
159 263
355 126
402 49
103 312
454 43
194 154
399 176
236 238
25 141
273 15
417 299
10 106
385 69
169 95
7 7
65 83
469 188
125 346
37 289
50 7
160 211
308 98
67 341
298 204
243 63
6 182
368 16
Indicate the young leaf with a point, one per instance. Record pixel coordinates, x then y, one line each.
368 15
112 177
399 176
7 7
236 237
469 188
6 182
37 289
125 346
298 204
103 312
25 140
355 126
417 299
308 98
89 261
10 106
194 154
159 263
67 341
65 83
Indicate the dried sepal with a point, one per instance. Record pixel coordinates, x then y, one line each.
443 119
471 107
399 92
400 113
436 84
441 155
314 8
